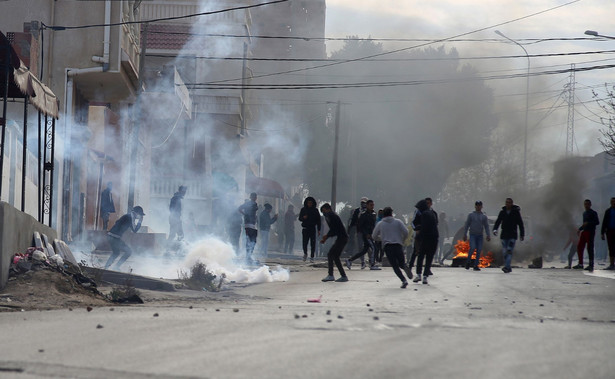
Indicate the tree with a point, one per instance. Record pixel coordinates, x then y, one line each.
608 106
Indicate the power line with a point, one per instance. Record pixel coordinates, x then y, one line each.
368 39
384 60
217 85
61 27
410 47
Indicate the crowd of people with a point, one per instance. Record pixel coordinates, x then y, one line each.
377 234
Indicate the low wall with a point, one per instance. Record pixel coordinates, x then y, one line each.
16 235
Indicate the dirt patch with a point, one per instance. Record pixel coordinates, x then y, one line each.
47 289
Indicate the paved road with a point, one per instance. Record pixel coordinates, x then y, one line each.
548 323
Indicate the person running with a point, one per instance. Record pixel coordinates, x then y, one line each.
365 227
336 229
510 219
248 210
476 223
310 224
393 232
608 229
130 221
429 241
379 253
587 233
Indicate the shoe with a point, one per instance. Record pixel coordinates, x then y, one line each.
348 263
374 267
408 271
417 278
328 278
589 268
506 270
468 265
611 267
476 268
363 265
578 267
404 285
342 279
304 257
311 260
428 273
568 267
425 279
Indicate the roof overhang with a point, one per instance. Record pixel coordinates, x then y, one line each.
22 82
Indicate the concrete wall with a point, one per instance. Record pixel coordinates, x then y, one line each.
16 233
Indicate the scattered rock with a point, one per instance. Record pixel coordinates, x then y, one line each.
89 309
99 326
41 350
340 317
235 310
542 305
111 309
304 316
371 310
328 313
297 316
217 310
155 314
376 318
190 307
329 320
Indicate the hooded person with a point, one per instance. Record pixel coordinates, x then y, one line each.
428 236
130 221
510 219
310 225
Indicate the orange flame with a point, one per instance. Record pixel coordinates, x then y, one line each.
462 248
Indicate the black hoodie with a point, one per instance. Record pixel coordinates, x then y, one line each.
313 215
510 221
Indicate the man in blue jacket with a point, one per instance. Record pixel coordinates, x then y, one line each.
587 233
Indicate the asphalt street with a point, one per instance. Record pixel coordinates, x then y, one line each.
541 323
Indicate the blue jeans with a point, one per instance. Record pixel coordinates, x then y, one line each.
476 242
507 249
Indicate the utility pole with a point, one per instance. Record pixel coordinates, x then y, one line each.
570 124
243 90
137 119
335 154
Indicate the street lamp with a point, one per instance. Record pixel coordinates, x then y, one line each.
527 104
595 34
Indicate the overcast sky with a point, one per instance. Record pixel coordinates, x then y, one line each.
448 18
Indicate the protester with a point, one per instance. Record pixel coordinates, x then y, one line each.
310 224
289 229
476 222
248 210
175 215
106 205
608 229
233 229
587 233
393 232
336 229
510 219
443 233
130 220
353 230
428 234
365 227
264 227
379 252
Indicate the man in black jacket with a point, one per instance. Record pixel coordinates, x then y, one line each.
365 227
428 236
310 224
608 229
587 233
336 229
510 219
